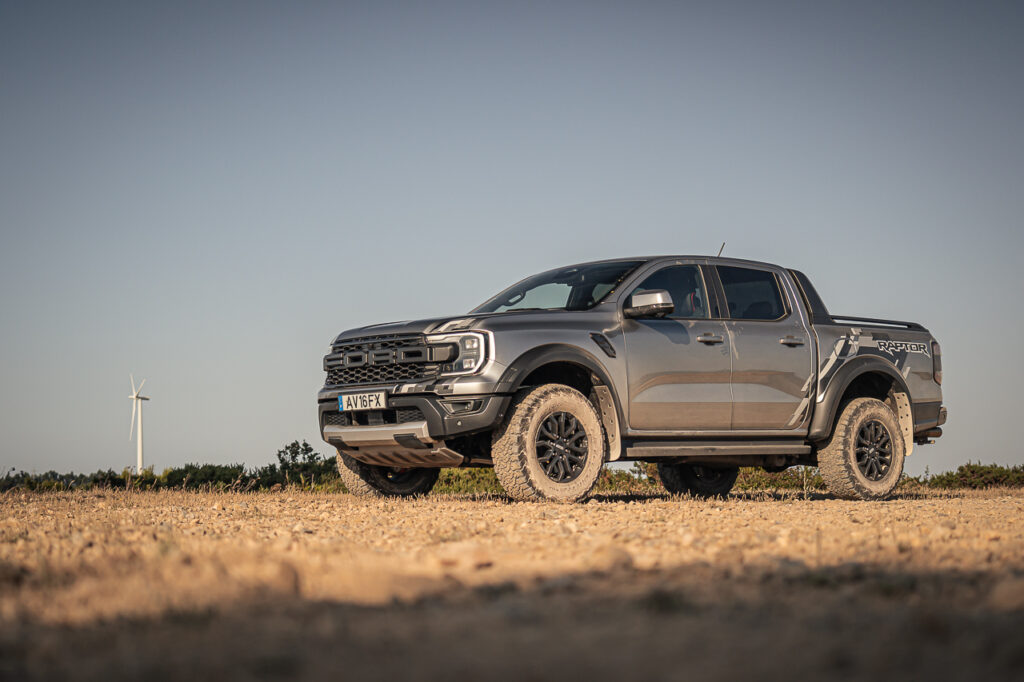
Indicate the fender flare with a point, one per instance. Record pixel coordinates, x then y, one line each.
825 412
520 368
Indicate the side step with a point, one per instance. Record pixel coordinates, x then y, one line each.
713 448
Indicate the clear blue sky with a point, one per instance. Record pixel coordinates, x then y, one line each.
204 193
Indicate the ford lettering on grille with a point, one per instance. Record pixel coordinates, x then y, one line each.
379 360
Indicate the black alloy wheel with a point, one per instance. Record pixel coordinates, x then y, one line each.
550 447
562 447
874 450
863 459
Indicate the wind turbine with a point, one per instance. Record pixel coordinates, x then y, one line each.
136 397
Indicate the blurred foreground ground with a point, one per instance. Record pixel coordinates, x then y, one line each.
180 585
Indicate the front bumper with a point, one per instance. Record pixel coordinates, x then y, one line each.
416 443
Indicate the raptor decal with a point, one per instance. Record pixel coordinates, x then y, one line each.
895 348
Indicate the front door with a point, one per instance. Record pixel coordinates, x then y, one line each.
773 356
678 366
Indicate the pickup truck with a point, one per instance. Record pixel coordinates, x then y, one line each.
702 365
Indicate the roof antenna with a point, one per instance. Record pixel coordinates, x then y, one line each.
721 250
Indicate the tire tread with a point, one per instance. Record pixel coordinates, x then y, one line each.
509 449
838 468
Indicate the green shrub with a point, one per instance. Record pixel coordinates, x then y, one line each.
297 465
465 481
198 475
796 478
979 475
300 466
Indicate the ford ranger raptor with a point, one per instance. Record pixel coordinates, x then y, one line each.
702 365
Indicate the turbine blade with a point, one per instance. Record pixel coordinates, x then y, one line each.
131 429
140 386
132 378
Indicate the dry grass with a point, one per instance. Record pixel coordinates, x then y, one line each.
176 585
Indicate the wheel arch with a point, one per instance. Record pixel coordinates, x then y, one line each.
575 367
526 365
866 376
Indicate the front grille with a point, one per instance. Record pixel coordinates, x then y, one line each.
398 415
380 360
379 374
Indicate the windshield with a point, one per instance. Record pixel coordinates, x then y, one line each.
580 287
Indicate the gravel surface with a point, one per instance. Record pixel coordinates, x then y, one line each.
177 585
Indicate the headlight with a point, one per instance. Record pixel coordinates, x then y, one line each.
466 354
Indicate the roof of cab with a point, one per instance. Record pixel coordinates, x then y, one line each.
651 259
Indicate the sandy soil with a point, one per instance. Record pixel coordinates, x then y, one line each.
175 585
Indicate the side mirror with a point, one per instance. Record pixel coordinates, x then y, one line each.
654 303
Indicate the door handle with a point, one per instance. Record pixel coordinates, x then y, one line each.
709 339
791 341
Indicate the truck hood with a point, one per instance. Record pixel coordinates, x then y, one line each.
427 326
493 321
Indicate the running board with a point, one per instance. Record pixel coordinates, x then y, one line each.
714 448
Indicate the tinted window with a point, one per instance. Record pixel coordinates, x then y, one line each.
751 294
575 288
686 286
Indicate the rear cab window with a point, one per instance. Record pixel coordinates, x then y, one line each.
751 294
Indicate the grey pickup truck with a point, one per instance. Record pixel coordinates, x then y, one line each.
702 365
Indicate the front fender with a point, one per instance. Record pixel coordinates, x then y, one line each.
526 363
607 399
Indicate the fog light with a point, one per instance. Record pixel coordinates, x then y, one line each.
460 406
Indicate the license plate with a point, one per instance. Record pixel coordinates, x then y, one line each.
350 402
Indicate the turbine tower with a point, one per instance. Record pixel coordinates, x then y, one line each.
136 397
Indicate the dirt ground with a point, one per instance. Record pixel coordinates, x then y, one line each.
176 585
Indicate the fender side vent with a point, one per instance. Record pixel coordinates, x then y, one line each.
602 341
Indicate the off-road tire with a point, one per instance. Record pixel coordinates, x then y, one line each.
837 460
697 480
514 445
367 480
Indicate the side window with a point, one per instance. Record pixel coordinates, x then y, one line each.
686 287
751 294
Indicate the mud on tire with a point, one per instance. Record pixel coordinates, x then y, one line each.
864 458
551 447
368 480
697 480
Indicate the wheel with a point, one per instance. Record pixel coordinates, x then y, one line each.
369 480
864 458
696 479
551 447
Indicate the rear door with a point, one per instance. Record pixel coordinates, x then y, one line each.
678 366
772 350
